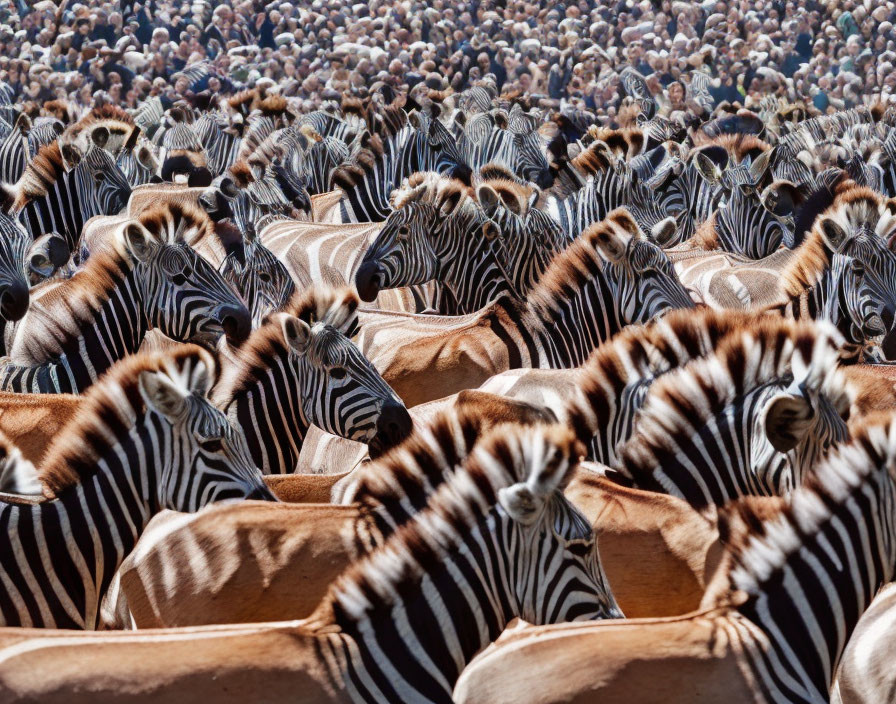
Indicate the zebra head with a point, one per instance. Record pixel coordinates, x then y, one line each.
207 459
645 281
340 390
861 224
181 293
427 236
102 186
260 278
557 575
858 303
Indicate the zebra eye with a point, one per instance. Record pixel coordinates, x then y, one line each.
264 276
211 444
98 176
403 232
338 373
580 548
179 279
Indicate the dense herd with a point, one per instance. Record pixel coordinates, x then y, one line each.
505 405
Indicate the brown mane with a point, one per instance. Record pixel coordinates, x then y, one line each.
108 412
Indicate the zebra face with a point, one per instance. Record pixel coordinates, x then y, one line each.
182 294
646 283
341 392
859 303
102 185
402 254
260 278
208 459
557 575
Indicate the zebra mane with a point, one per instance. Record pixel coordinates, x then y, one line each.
853 207
110 409
679 404
625 142
544 458
348 175
40 174
760 542
274 106
737 145
577 266
336 307
644 351
173 222
595 159
431 187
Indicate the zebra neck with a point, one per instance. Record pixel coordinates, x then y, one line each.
815 598
424 640
116 331
271 414
96 523
572 322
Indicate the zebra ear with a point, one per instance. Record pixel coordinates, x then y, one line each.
71 156
833 235
664 231
162 395
611 245
787 420
146 159
100 136
296 332
139 241
707 169
488 198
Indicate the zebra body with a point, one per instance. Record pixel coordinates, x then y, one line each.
113 469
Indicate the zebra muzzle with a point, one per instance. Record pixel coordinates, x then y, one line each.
369 280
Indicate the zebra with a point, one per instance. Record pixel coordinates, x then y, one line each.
147 439
509 140
417 143
148 278
752 419
301 368
535 558
436 232
14 151
609 277
59 191
497 541
220 141
17 255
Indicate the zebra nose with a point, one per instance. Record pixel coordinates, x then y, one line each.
393 426
14 301
236 322
367 280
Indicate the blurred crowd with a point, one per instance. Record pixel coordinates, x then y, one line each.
834 53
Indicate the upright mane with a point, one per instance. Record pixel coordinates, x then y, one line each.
680 403
644 351
109 411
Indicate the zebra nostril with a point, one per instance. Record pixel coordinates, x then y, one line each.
14 301
393 425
